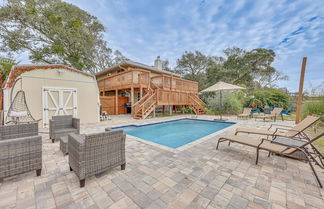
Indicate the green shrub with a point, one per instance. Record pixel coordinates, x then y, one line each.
211 112
313 108
187 110
232 103
271 97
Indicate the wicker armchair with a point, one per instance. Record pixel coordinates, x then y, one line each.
95 153
20 149
62 125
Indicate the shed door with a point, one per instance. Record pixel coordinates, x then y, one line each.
58 101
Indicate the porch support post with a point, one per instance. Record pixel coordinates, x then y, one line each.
132 97
170 106
116 102
141 92
182 109
300 92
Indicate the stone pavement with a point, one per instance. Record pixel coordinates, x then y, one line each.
197 177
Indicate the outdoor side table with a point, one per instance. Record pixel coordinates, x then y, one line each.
64 144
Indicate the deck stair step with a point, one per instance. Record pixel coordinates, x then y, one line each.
147 104
196 104
143 107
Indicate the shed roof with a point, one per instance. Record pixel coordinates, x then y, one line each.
130 63
17 70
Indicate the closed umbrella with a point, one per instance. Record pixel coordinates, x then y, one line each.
222 86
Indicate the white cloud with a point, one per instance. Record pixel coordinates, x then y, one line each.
144 29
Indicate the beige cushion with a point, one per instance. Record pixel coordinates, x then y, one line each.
255 131
276 147
243 140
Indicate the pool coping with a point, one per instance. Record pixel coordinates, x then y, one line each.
183 147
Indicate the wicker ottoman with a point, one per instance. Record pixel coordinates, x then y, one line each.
64 144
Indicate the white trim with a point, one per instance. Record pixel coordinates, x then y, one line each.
62 106
24 76
75 103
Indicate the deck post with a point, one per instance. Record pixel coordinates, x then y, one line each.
300 92
182 109
154 112
116 102
141 92
170 106
132 98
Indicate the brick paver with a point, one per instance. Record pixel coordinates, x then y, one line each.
196 177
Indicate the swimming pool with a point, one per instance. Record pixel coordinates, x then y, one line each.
175 133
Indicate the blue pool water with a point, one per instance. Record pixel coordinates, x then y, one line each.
175 133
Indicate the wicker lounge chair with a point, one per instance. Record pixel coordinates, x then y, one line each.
273 115
62 125
95 153
20 150
298 153
246 113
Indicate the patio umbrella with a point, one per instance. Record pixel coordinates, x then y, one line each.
222 86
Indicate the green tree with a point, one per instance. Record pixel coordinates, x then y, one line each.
53 31
271 97
251 68
5 67
192 66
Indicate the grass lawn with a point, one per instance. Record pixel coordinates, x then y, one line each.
311 132
320 142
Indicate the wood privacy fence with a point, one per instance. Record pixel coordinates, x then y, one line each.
108 104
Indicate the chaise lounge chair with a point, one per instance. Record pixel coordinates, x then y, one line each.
285 131
273 115
246 113
294 136
287 111
298 153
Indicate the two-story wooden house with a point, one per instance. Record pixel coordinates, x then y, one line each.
135 88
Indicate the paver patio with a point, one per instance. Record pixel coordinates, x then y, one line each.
197 177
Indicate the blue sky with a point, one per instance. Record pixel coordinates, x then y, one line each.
144 29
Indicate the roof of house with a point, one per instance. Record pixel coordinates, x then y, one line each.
138 65
17 70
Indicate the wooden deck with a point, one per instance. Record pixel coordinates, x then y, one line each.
134 78
153 91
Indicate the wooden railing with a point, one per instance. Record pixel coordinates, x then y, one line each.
137 105
197 100
124 79
165 97
142 77
145 105
171 83
196 104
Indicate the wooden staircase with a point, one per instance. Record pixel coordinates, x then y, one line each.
143 107
196 104
147 104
